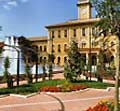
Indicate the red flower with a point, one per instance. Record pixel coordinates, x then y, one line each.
99 107
78 87
50 89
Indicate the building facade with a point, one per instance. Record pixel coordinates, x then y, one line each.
40 44
82 31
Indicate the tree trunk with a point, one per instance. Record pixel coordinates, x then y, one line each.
117 81
36 75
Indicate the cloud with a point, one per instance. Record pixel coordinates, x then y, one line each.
8 4
12 3
6 7
24 1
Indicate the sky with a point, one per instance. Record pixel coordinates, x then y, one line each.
29 17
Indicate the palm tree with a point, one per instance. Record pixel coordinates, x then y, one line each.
109 13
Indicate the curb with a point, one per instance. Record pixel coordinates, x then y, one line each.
2 96
22 96
66 92
106 90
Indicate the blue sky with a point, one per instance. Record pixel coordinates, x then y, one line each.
28 17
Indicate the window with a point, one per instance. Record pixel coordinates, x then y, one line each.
45 48
41 48
83 32
53 48
36 48
45 59
65 47
112 44
112 58
58 60
59 48
65 33
74 33
94 60
83 44
93 31
93 44
65 59
53 34
40 59
59 34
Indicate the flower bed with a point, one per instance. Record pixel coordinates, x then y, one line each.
62 88
104 105
78 87
50 89
99 107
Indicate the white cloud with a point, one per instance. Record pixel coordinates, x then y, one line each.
8 4
6 7
12 3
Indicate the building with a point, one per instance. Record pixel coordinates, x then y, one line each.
40 44
82 30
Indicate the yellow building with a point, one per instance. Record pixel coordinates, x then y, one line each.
82 30
40 44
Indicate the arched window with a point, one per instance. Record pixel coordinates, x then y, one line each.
53 34
112 58
59 48
40 59
65 59
45 59
58 60
74 32
45 48
112 44
59 34
41 48
83 32
65 33
65 47
83 44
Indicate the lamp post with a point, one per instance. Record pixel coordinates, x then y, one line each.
90 53
18 69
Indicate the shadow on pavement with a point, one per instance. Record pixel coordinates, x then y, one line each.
61 103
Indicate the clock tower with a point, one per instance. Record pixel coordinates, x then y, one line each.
84 9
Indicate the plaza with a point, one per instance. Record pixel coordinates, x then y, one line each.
74 68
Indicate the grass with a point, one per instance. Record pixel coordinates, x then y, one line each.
31 88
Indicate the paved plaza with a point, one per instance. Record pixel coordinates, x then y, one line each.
74 101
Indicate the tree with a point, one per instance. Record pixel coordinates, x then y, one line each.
109 13
75 64
29 53
28 73
51 58
7 75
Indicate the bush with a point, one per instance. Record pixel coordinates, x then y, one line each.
67 86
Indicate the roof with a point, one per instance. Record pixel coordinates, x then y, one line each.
40 38
74 22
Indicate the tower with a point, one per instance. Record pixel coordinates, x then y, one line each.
84 9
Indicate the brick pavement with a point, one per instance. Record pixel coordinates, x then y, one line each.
74 101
